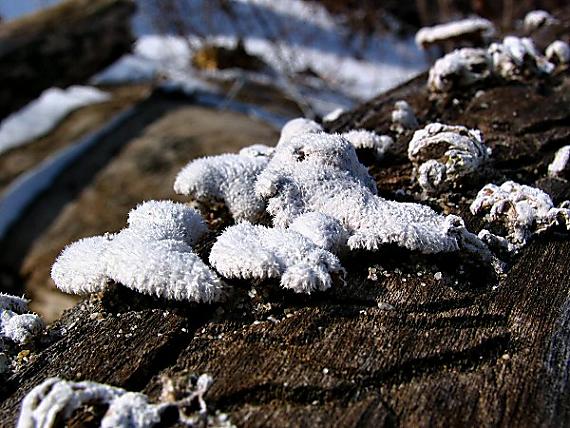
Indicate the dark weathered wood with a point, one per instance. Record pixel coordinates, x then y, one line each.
402 350
60 46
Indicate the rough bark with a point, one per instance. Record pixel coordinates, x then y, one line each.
60 46
404 349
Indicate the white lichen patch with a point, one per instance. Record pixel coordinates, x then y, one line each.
558 52
228 178
536 19
443 155
316 173
403 117
458 69
522 211
153 255
252 251
515 57
468 29
368 140
560 166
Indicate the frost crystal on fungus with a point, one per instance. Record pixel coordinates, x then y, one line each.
252 251
443 154
320 173
362 139
536 19
229 178
469 28
558 52
517 56
403 117
323 230
153 256
298 126
521 210
560 166
460 68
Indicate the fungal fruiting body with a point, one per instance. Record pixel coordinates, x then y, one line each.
253 251
333 115
298 126
153 255
229 178
476 29
443 155
54 400
558 52
520 210
536 19
17 327
560 166
325 231
515 57
368 140
460 68
403 117
316 173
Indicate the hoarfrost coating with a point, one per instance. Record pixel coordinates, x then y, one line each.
560 166
54 400
253 251
475 27
368 140
520 210
229 178
443 155
153 256
515 57
558 52
320 173
536 19
460 68
403 117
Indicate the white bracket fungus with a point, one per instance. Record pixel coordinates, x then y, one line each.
460 68
560 166
515 56
317 173
521 210
536 19
443 155
558 52
253 251
153 255
474 29
229 178
403 117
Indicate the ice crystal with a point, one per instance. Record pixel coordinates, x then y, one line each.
325 231
521 210
460 68
368 140
153 255
516 56
443 155
19 328
298 126
13 303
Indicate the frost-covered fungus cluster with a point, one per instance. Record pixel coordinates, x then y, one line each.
153 255
229 178
558 52
458 69
320 173
403 117
443 155
252 251
55 400
17 326
474 29
518 212
362 139
513 59
536 19
560 166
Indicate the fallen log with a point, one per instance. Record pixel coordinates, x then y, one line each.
60 46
